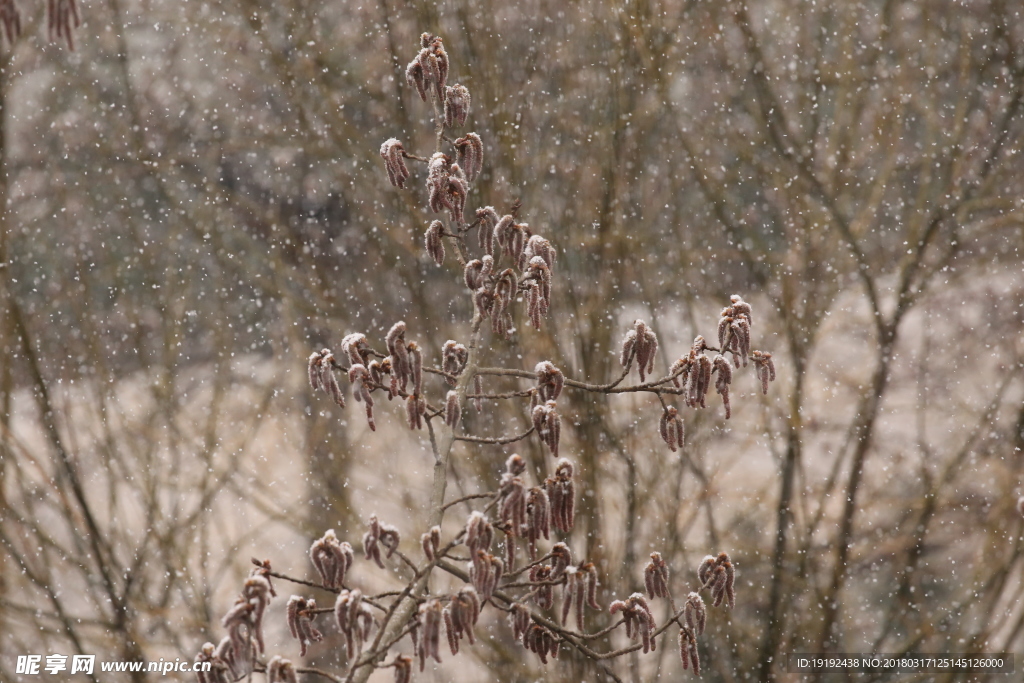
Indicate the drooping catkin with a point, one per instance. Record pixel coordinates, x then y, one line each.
512 503
671 428
332 559
719 575
541 641
457 102
695 614
432 240
452 410
765 368
561 492
721 366
487 219
362 383
355 347
454 357
428 644
431 543
550 381
280 670
548 425
688 651
639 620
470 156
354 619
394 161
301 612
538 519
656 576
429 71
640 343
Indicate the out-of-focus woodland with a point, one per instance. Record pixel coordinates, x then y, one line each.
192 200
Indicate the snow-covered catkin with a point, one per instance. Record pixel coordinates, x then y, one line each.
415 367
688 651
487 219
695 614
473 274
313 367
519 619
656 577
434 243
512 503
639 620
470 156
431 543
452 410
300 615
548 425
355 347
457 102
332 559
718 574
539 246
540 273
671 428
394 161
280 670
362 382
373 540
428 645
538 519
765 368
550 381
561 492
721 366
454 357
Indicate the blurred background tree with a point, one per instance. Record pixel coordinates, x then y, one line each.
191 200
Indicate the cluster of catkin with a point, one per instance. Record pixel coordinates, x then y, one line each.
719 575
639 619
376 536
354 619
235 655
715 573
448 184
404 365
693 374
331 559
